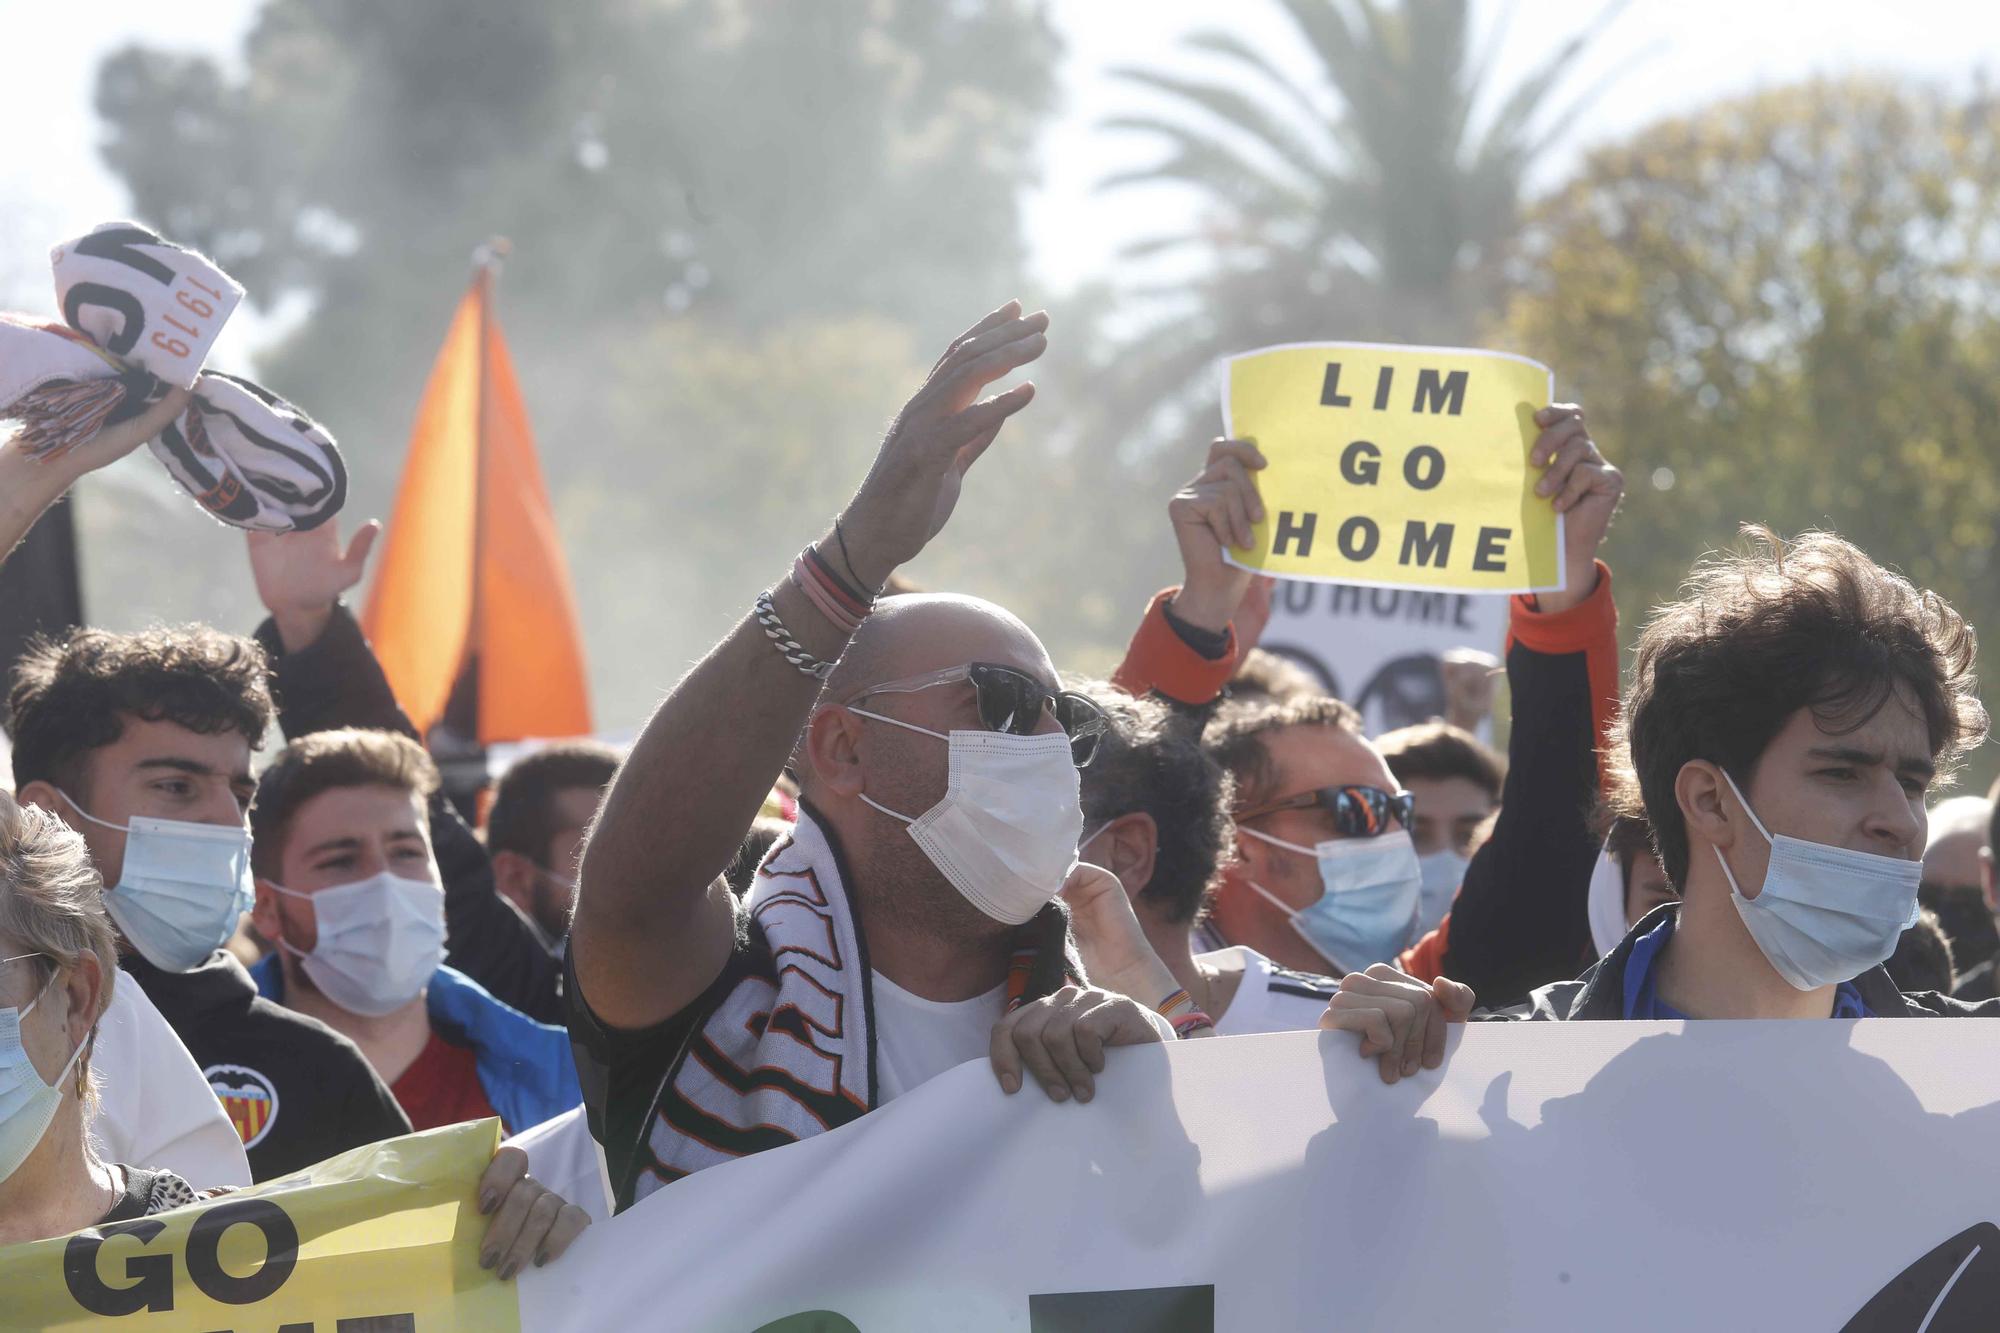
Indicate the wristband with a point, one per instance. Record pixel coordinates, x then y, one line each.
1190 1023
1179 1000
837 613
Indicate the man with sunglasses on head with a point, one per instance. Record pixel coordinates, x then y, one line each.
909 923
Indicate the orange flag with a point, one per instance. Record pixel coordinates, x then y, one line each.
472 581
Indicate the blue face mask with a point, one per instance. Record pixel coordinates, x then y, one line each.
27 1103
1367 910
1825 914
1443 871
182 889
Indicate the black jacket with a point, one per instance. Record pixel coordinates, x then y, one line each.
1600 992
296 1090
338 683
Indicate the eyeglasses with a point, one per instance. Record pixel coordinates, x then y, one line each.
1013 702
1358 812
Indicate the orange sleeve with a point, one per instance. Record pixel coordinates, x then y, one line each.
1424 960
1159 660
1591 628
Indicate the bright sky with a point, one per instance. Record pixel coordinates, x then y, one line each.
1687 51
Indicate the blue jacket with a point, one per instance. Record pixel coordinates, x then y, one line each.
525 1067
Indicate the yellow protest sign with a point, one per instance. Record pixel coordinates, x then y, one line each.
384 1238
1396 466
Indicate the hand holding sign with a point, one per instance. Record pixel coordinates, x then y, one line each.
1397 466
1586 491
1218 509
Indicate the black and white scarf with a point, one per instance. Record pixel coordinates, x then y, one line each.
789 1051
139 316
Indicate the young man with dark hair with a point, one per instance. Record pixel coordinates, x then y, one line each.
142 743
349 891
534 832
1156 814
1786 719
326 678
1456 779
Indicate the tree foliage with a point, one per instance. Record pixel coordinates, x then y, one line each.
702 195
1786 309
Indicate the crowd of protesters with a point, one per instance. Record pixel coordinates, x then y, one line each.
873 835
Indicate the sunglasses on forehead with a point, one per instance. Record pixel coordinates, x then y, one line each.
1013 702
1358 812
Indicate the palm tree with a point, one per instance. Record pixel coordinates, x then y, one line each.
1379 191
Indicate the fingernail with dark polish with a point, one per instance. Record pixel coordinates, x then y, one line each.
488 1259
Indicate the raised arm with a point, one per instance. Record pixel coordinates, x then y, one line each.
325 675
1190 640
654 922
28 486
1519 920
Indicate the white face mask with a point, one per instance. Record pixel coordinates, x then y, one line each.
380 940
1005 834
1443 871
1825 914
183 887
27 1104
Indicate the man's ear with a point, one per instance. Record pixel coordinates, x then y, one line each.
514 876
1127 848
1710 815
832 738
42 794
264 911
1253 858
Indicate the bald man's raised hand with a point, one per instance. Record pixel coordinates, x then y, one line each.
914 484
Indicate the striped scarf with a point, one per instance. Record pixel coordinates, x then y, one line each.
139 317
789 1052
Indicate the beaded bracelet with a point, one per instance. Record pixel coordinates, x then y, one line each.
1190 1023
788 647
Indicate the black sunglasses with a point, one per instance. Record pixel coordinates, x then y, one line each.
1014 702
1358 812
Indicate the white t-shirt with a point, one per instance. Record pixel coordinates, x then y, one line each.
1270 998
155 1108
918 1039
564 1157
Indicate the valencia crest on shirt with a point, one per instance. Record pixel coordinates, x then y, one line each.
247 1097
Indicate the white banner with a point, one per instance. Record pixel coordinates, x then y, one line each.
1554 1176
1378 648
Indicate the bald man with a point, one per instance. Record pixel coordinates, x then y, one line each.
1958 886
909 924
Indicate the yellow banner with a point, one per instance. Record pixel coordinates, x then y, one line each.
384 1238
1401 467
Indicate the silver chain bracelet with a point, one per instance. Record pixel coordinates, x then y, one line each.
788 647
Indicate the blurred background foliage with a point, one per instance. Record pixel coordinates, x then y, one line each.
742 230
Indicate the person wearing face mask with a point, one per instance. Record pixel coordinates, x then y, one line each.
326 677
1518 919
142 743
1456 781
1156 814
349 892
910 921
1786 719
57 975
